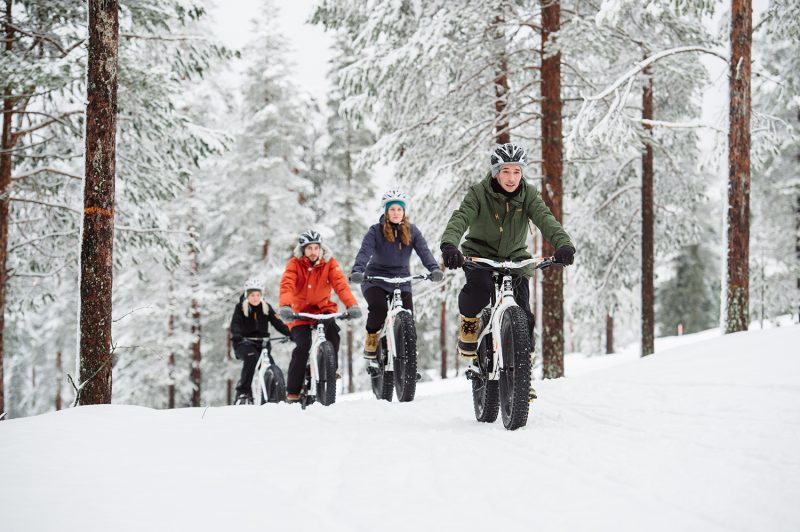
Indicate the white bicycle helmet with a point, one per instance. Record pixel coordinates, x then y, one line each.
395 196
507 154
253 283
309 237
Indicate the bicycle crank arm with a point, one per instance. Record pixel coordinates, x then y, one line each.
531 394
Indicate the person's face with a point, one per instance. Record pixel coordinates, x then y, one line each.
254 297
395 214
509 177
311 252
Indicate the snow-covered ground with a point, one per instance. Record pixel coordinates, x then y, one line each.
701 436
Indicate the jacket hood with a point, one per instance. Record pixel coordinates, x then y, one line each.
327 253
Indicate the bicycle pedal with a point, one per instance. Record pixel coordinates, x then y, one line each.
372 371
418 377
472 374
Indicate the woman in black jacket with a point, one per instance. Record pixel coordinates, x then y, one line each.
251 319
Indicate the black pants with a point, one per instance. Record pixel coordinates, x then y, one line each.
477 293
248 354
302 336
378 306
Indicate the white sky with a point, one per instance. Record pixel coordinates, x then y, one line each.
312 47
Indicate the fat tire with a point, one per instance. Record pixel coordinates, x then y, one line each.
405 363
382 380
485 392
515 377
276 385
326 387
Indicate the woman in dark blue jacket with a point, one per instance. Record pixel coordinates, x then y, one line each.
386 252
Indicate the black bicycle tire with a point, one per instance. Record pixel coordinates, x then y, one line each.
485 392
515 377
405 363
326 362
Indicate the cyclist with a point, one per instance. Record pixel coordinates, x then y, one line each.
386 252
251 319
306 287
496 211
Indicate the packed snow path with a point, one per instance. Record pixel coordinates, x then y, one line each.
705 436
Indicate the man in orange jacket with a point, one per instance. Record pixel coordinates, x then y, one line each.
306 287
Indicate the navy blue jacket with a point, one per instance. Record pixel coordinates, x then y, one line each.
378 256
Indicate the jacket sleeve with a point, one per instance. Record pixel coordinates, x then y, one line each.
461 218
423 251
551 229
340 286
288 283
277 323
236 325
367 250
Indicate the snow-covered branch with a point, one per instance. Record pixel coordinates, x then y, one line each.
48 171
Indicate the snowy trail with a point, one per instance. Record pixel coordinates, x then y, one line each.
700 437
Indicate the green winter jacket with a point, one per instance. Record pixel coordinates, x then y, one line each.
498 226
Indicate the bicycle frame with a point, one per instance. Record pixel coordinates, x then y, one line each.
504 299
319 337
264 361
395 309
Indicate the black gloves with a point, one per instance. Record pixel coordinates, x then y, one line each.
452 257
436 276
565 255
357 277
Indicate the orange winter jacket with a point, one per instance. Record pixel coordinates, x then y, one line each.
307 288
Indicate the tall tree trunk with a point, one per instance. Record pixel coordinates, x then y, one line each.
171 361
552 189
738 297
609 333
796 246
229 381
648 312
443 330
195 375
97 234
59 378
351 386
5 202
502 133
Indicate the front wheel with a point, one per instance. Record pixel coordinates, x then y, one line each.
274 386
485 392
515 376
326 362
405 362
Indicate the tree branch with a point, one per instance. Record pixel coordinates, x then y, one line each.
15 135
46 170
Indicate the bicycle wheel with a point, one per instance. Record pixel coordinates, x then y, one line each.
275 385
326 362
382 380
515 377
405 361
485 392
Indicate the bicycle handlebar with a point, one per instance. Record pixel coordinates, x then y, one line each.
322 317
397 280
540 263
268 339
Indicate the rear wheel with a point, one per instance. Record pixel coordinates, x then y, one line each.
326 362
405 363
485 392
382 380
275 386
515 377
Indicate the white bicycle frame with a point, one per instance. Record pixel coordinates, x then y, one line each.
397 308
504 299
319 337
261 369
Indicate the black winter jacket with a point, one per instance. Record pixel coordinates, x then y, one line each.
253 322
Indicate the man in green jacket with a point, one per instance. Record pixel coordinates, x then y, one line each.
496 213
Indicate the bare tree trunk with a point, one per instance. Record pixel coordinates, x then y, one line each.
796 246
609 333
443 331
195 374
97 242
59 378
738 297
5 202
648 293
171 360
502 133
552 155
